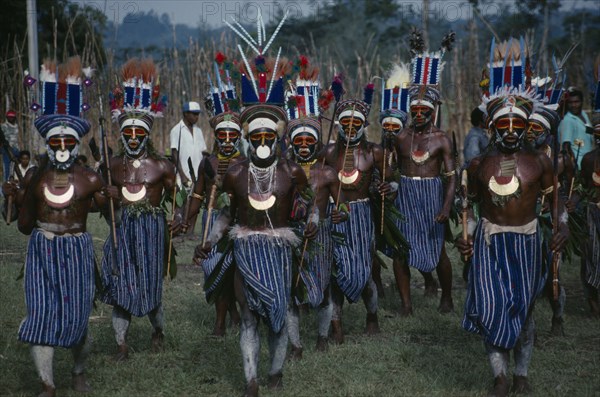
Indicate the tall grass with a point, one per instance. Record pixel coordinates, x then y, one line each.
426 355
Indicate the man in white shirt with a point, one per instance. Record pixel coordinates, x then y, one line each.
187 141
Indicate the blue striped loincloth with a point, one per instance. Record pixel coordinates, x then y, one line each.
141 253
504 280
354 259
59 289
420 200
592 258
265 264
316 269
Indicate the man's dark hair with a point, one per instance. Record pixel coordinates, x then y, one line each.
24 153
477 117
572 91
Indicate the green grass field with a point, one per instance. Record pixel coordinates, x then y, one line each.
426 355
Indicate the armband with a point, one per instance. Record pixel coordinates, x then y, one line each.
449 173
471 225
394 186
548 190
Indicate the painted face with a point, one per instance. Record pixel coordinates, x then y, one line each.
391 127
351 128
263 143
421 115
304 145
134 139
510 131
536 133
62 150
228 140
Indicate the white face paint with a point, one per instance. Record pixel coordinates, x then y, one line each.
263 152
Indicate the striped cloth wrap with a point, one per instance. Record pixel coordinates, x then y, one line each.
316 269
214 257
264 260
592 258
140 261
420 200
354 258
59 289
505 278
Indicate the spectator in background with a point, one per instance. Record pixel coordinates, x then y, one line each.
24 163
477 139
187 142
575 130
10 129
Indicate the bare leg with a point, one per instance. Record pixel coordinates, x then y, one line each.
249 339
369 296
156 318
444 272
120 321
277 350
221 307
499 362
522 352
337 297
402 276
324 315
431 286
81 352
376 273
293 329
42 358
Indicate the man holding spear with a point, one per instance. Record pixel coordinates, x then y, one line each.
507 272
54 201
141 178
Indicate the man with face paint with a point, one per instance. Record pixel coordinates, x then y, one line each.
590 176
422 149
133 279
260 192
541 131
315 272
356 159
507 272
227 130
54 201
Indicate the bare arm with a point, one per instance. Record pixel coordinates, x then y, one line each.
450 169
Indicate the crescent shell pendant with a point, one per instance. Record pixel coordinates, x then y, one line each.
504 189
262 204
348 178
596 178
133 197
59 199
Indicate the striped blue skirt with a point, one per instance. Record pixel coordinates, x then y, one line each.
140 260
592 259
504 280
354 258
316 269
59 289
265 264
420 201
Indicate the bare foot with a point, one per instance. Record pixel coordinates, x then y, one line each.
158 341
500 387
79 384
322 344
47 391
275 381
337 336
295 353
446 306
372 327
251 389
122 353
405 311
520 385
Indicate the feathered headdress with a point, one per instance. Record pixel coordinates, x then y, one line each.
394 97
510 100
303 95
426 68
222 96
261 81
137 101
508 65
62 94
